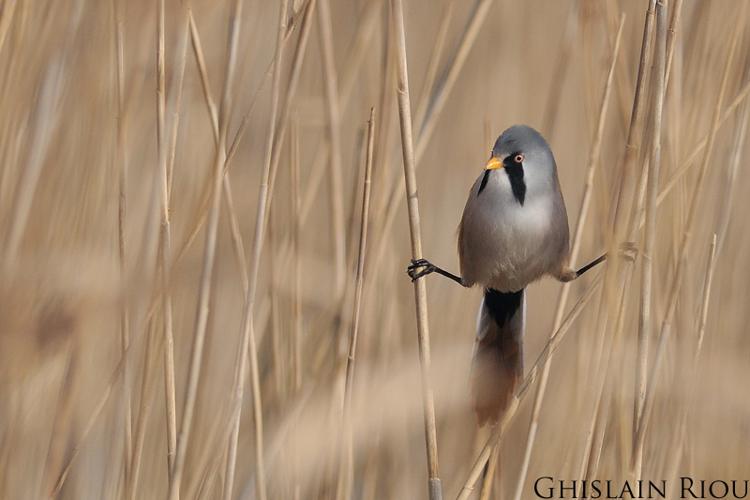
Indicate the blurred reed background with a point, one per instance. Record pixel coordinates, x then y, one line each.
135 275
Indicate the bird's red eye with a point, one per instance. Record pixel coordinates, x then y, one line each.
518 158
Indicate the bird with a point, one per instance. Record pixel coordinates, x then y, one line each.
513 231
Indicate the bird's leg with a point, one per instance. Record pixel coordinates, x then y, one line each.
591 264
628 250
422 267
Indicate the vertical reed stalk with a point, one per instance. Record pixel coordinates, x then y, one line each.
623 206
121 159
649 243
165 247
420 289
676 281
201 322
247 339
345 470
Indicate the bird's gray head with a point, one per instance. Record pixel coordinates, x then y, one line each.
525 157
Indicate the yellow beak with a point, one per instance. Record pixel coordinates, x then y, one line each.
493 163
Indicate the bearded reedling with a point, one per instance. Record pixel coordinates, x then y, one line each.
513 231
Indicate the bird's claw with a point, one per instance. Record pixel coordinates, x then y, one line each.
419 268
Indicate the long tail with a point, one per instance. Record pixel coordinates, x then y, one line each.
498 353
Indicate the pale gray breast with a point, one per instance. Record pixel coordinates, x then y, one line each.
506 245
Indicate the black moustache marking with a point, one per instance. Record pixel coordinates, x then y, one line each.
515 174
483 184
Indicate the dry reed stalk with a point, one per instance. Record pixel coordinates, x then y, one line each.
290 453
420 289
238 245
237 139
200 218
316 171
317 168
622 208
286 110
674 23
278 349
434 107
548 351
247 339
175 93
583 212
122 365
649 241
226 180
441 90
345 469
490 473
201 323
296 340
336 190
214 119
165 246
351 74
121 161
676 281
621 217
640 219
597 424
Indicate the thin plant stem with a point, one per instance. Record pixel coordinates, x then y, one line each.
247 338
121 159
345 471
490 473
201 322
676 281
420 289
622 208
296 340
165 240
649 244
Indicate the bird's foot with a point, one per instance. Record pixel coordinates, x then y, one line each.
419 268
